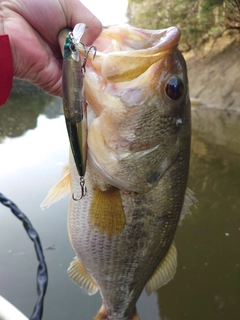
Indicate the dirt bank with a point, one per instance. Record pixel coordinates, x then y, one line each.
214 74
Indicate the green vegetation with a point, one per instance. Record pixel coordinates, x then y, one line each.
199 21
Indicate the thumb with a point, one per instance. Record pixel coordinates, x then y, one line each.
76 12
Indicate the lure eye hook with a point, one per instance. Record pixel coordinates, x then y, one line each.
73 44
73 47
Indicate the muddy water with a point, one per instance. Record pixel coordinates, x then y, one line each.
34 148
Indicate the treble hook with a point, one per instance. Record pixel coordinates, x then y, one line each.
86 53
83 190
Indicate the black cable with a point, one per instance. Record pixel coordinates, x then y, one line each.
42 274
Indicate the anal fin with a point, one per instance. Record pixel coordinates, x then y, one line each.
164 272
78 274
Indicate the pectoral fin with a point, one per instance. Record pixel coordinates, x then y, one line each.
59 190
106 211
165 271
79 275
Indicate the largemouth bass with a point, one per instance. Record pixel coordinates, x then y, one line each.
139 133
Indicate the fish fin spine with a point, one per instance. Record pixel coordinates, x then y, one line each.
164 272
59 190
78 274
189 200
106 211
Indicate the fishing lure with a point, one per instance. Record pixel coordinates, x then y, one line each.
74 101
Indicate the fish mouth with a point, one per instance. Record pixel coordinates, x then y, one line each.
123 53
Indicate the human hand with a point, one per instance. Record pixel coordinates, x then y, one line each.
33 27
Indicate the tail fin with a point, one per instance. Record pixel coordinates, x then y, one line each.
102 315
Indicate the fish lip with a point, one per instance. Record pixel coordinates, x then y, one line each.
126 56
158 40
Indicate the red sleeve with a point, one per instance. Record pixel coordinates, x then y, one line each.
6 68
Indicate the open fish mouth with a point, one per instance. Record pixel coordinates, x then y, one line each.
123 54
125 85
138 48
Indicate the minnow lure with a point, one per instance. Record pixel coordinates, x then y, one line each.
74 101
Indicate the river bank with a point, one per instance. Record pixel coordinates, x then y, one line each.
214 74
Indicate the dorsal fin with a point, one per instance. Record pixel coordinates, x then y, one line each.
164 272
78 274
106 211
59 190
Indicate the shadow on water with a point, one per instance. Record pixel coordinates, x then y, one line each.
21 111
207 283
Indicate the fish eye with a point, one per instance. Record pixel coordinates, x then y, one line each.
174 88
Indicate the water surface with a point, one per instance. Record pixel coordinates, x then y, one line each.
33 150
